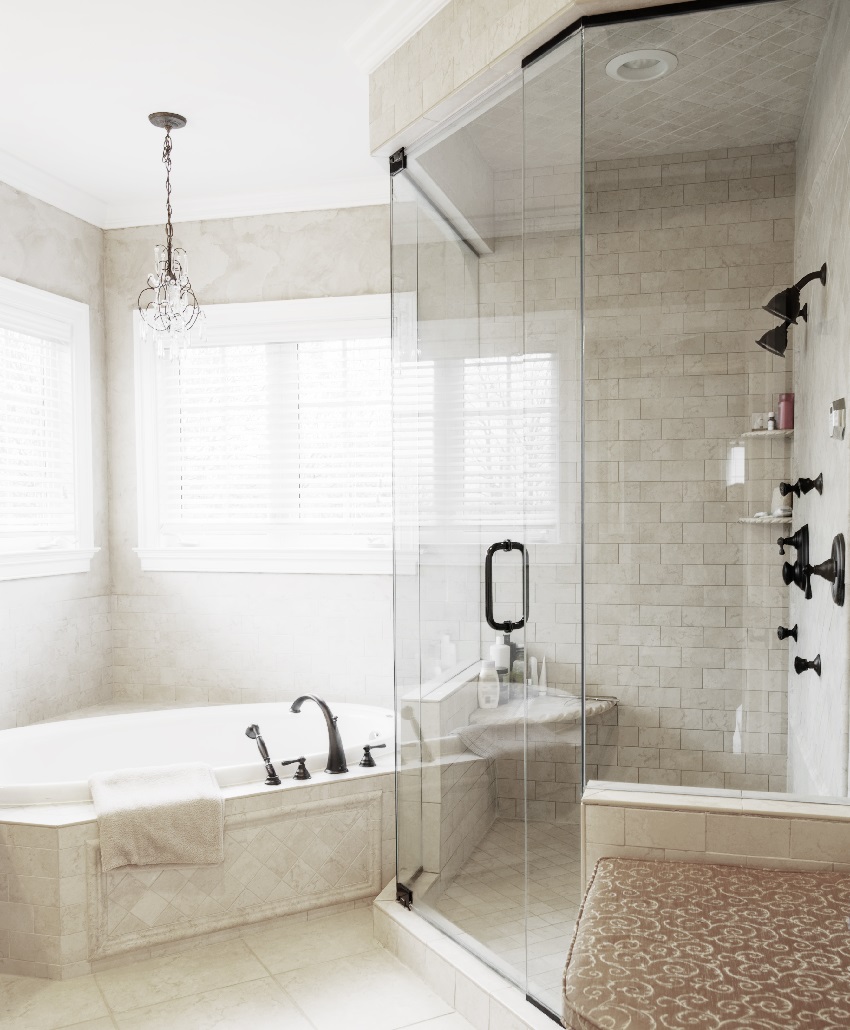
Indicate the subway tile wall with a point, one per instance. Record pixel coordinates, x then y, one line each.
682 600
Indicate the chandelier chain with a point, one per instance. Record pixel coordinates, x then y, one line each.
169 228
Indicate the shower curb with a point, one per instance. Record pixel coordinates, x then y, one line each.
483 997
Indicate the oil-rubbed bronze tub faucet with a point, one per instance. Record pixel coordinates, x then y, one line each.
336 752
272 778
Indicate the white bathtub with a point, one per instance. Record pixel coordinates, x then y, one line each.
52 762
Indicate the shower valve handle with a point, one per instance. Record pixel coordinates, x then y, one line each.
800 540
782 632
801 665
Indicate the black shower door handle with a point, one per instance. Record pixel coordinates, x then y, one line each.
507 626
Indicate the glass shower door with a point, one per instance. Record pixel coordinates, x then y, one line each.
486 220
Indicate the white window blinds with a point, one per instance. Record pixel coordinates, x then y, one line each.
275 439
277 445
477 443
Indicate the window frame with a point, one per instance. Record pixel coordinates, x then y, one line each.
260 322
33 310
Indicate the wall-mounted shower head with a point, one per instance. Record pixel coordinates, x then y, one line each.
776 340
787 303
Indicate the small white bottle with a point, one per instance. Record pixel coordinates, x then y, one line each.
500 655
771 421
543 682
488 686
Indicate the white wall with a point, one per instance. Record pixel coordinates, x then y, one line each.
55 648
818 708
239 637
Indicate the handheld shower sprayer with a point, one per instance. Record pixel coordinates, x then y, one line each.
272 778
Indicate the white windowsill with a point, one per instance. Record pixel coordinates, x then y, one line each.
322 562
30 564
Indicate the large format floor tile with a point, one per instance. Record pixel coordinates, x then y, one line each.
256 1005
372 991
297 945
29 1003
157 980
331 975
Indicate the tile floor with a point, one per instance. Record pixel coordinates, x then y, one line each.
319 974
486 899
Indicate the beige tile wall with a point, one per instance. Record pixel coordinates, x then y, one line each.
683 601
727 830
463 48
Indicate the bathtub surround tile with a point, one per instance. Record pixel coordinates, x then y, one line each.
379 993
57 927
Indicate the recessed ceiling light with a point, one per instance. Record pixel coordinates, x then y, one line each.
642 65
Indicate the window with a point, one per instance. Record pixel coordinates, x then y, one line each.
477 447
268 447
46 518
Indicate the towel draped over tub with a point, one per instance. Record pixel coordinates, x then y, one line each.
170 815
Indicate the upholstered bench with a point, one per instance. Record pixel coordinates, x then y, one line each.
674 945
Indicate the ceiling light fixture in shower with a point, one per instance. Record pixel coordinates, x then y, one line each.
642 65
787 303
776 340
168 305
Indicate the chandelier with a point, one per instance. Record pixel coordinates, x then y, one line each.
168 306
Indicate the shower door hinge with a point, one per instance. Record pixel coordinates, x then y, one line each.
398 161
404 895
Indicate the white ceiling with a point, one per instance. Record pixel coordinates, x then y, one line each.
276 93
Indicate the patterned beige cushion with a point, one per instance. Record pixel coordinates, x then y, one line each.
684 946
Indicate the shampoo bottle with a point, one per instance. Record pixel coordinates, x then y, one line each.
488 686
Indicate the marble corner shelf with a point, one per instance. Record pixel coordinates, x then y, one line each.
770 520
772 434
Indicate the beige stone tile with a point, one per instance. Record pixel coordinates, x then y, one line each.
682 831
379 992
105 1023
291 946
256 1005
453 1021
748 835
604 825
820 841
28 1003
157 980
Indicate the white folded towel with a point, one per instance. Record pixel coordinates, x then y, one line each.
167 815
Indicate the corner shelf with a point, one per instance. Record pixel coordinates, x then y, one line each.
770 520
773 434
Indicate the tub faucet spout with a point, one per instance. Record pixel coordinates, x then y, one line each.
336 752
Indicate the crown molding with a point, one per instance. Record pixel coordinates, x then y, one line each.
365 192
51 190
387 29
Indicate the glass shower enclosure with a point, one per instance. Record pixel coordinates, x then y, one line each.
486 280
588 485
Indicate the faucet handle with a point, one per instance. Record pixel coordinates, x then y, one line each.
368 759
301 773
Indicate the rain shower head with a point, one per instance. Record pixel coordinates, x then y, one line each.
776 340
787 303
